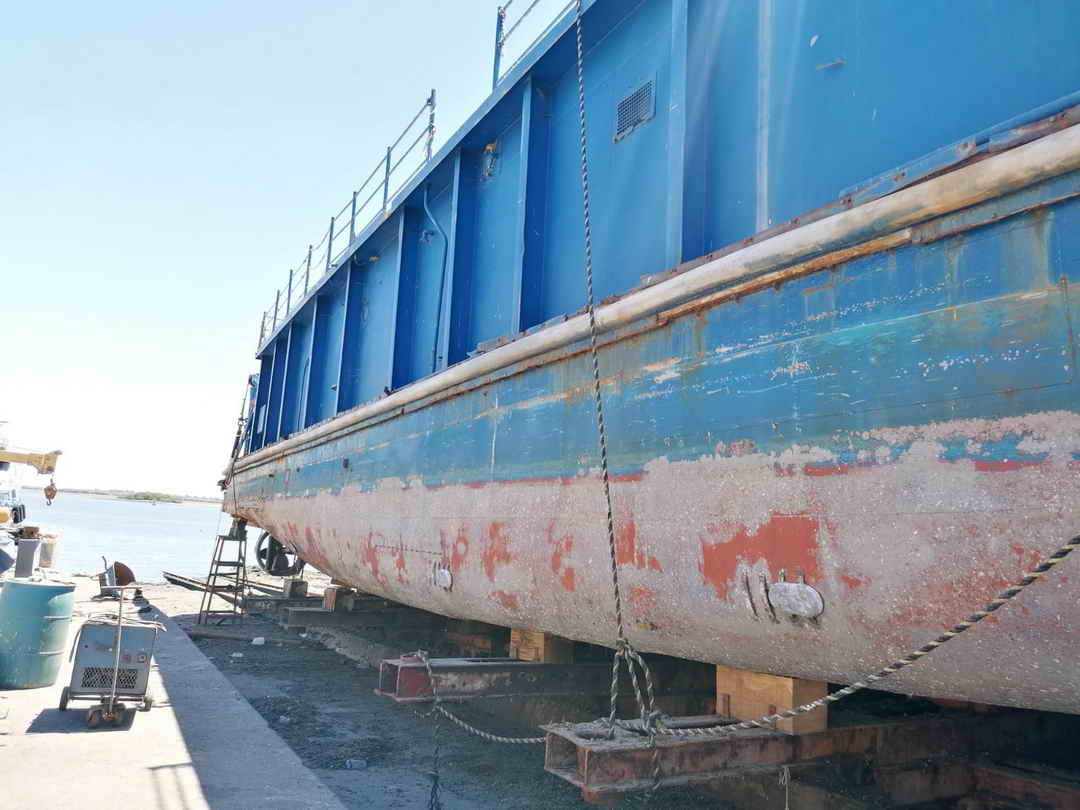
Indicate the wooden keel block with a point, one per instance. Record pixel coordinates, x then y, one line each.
294 588
336 597
746 695
532 645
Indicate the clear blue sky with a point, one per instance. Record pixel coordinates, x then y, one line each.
161 167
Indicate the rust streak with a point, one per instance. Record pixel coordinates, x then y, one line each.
892 240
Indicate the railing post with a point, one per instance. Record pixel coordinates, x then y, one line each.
307 268
352 219
431 123
262 329
277 301
288 296
330 245
500 20
386 180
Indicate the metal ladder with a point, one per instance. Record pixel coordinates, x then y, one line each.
227 579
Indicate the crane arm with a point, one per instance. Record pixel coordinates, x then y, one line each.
44 463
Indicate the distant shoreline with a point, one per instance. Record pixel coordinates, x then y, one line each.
134 495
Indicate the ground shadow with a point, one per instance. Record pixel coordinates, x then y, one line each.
54 721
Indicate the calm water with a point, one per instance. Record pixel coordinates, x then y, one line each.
176 537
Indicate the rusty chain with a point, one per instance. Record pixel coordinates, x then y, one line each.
652 721
625 654
914 656
439 709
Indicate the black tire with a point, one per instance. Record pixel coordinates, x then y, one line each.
147 703
274 558
118 715
64 695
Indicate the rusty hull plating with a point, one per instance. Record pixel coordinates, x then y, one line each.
899 430
829 441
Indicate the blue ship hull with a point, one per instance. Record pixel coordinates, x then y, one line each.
877 398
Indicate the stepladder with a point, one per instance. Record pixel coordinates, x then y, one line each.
226 580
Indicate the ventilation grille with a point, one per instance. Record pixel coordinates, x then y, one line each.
635 109
101 678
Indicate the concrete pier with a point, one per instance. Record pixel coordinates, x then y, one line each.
202 746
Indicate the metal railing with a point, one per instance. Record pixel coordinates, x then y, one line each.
502 34
372 199
368 203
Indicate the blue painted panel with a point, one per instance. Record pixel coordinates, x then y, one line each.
257 431
277 387
367 355
535 204
783 105
491 311
1063 243
721 124
297 371
326 353
426 257
462 236
628 178
453 231
768 370
892 62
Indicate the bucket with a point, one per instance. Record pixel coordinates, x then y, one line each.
27 558
34 622
47 558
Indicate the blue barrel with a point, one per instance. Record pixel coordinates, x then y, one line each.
34 622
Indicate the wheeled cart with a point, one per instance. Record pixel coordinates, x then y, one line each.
112 661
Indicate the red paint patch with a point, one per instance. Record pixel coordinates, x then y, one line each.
641 598
496 550
507 600
785 541
371 555
1026 559
627 551
459 551
853 583
399 564
1003 466
819 470
942 604
562 548
568 579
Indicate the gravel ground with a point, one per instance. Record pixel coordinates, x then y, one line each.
370 751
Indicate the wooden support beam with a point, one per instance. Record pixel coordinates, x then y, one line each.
336 597
746 695
532 645
294 588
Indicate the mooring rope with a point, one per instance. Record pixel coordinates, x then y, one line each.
652 721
